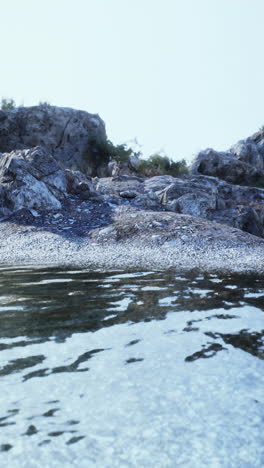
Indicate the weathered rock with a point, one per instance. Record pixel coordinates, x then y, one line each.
242 164
201 196
30 179
241 217
116 169
196 204
225 166
128 194
78 184
214 199
71 136
251 150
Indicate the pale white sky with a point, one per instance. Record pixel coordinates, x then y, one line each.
179 75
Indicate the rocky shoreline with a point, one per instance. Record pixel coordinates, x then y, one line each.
59 206
123 237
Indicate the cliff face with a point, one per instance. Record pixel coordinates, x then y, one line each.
69 135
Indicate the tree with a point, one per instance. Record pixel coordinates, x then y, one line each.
7 104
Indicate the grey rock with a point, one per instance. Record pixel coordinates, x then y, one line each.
71 136
30 179
128 194
134 161
225 166
196 195
79 184
196 204
242 164
242 217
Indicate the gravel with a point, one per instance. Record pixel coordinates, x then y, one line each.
27 245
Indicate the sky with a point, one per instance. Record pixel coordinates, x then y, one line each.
177 75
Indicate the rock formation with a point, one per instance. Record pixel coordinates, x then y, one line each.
243 164
201 196
71 136
31 179
50 184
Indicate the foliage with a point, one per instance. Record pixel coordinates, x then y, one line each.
120 153
44 104
178 168
7 104
158 164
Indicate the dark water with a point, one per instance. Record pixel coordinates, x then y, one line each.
114 369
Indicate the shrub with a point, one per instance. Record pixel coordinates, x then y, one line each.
158 164
178 168
119 153
7 104
44 104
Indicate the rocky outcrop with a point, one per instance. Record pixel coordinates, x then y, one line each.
31 179
243 164
200 196
37 183
226 166
70 136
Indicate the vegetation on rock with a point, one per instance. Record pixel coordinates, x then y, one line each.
160 165
156 164
7 104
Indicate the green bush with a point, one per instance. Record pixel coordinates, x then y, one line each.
7 104
107 150
119 153
158 164
178 168
44 104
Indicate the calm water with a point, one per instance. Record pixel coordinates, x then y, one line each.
120 369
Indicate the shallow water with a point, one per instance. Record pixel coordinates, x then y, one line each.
125 369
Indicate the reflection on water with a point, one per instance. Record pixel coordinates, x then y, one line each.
130 369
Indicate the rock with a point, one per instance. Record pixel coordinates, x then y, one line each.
30 179
241 217
242 164
112 169
113 186
201 196
118 168
225 166
70 136
128 194
78 184
195 204
134 162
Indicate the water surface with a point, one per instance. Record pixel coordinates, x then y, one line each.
130 369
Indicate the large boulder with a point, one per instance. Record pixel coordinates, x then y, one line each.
242 164
31 179
71 136
251 150
224 165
